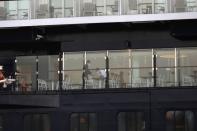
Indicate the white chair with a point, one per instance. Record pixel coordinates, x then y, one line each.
42 84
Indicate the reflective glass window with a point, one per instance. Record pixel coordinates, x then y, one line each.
56 9
188 66
131 121
12 11
48 67
120 68
112 7
83 122
26 73
70 8
43 9
141 61
179 5
129 7
191 5
73 70
160 6
166 70
179 120
23 9
37 122
95 70
145 6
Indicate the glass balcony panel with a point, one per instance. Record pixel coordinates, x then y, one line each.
72 79
160 6
42 9
56 9
119 59
141 58
23 9
180 5
188 76
73 61
145 7
129 7
120 78
26 73
112 7
48 77
73 70
142 77
187 57
165 58
95 69
166 77
69 6
12 12
100 7
88 8
191 5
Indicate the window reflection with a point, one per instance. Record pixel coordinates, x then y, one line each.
165 63
131 121
95 70
188 69
73 70
142 75
37 122
120 69
83 122
179 121
48 67
26 73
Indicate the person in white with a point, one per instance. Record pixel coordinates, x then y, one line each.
102 76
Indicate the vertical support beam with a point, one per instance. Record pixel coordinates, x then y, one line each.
107 71
60 72
155 68
37 73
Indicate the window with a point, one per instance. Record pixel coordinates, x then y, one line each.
37 122
83 122
142 75
120 69
179 120
1 123
166 70
73 70
26 73
131 121
48 67
188 67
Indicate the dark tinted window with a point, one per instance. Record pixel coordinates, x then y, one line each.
131 121
179 121
83 122
37 122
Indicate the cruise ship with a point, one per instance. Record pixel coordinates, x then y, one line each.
98 65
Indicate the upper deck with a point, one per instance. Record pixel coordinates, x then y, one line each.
65 12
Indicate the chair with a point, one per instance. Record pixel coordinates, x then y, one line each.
180 6
3 13
89 9
42 84
43 11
